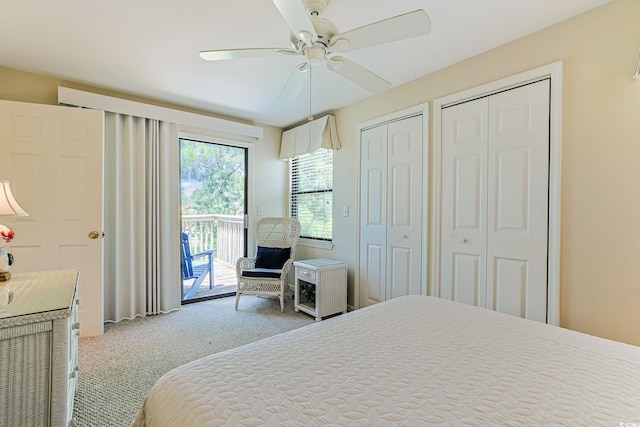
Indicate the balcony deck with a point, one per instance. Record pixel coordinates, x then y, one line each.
224 281
225 233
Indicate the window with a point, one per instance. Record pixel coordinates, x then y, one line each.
312 193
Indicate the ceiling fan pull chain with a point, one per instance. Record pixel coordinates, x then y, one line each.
310 117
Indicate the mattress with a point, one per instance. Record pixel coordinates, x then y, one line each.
410 361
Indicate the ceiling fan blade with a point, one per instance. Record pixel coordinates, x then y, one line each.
358 75
401 27
219 55
298 19
295 82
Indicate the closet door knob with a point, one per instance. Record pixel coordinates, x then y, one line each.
463 240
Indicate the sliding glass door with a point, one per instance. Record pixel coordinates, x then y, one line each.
214 202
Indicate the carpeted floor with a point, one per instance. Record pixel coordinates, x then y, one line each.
118 368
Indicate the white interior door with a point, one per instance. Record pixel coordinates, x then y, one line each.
391 217
495 181
53 158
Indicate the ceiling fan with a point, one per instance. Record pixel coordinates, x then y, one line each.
318 40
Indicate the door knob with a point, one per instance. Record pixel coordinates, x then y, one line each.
94 234
463 240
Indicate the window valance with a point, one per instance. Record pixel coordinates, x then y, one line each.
308 137
79 98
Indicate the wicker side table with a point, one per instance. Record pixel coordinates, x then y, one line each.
327 280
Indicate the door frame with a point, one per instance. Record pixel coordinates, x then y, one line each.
207 138
420 109
552 71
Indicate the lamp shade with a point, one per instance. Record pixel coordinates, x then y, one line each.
8 204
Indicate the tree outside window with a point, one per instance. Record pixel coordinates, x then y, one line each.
312 193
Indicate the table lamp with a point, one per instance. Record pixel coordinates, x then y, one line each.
8 206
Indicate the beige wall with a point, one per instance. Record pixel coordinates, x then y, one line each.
600 248
270 194
600 255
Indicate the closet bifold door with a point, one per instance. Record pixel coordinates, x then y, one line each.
495 201
391 216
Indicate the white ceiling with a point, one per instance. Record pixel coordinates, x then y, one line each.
150 47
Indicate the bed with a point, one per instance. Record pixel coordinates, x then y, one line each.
410 361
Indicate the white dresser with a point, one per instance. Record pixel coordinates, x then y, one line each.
39 349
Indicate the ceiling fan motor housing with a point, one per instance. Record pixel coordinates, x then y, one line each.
325 29
315 7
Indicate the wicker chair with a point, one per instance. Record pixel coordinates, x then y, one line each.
266 273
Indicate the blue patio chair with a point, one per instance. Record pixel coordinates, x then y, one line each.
193 270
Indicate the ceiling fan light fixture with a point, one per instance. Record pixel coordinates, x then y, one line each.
315 54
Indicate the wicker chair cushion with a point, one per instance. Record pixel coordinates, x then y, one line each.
272 258
271 273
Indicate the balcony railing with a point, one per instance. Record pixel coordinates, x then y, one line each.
222 232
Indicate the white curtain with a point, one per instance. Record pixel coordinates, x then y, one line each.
142 217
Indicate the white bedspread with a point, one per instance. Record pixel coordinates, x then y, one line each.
411 361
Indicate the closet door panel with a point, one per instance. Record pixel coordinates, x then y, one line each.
373 216
400 270
518 181
374 261
404 225
400 207
466 283
510 285
463 216
376 209
513 183
468 193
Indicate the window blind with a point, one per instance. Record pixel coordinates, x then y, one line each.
312 193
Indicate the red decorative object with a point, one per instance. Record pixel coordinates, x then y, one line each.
6 234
